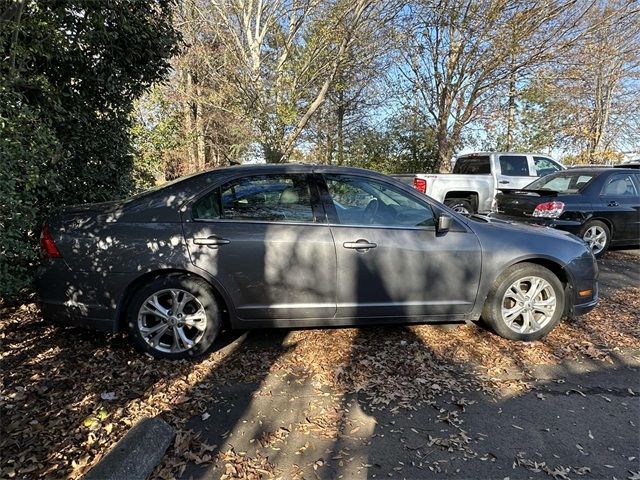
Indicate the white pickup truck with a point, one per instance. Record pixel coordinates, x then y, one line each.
476 178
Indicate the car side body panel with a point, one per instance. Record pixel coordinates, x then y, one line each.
294 269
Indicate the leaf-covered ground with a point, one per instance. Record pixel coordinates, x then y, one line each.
68 394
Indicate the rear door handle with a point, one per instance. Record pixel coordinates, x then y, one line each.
211 241
360 245
613 203
504 182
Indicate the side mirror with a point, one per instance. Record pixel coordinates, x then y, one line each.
444 224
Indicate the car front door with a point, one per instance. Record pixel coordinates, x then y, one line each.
620 203
514 171
265 239
391 262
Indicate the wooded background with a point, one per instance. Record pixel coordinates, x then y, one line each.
99 99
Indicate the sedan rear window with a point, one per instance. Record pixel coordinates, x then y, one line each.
562 182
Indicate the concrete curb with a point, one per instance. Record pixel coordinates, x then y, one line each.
136 455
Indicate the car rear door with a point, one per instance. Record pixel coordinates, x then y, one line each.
265 239
620 203
514 171
391 262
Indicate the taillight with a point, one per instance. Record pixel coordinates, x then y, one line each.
47 244
549 210
420 184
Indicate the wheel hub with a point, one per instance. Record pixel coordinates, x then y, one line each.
528 305
172 320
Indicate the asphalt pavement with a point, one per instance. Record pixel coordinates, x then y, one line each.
579 419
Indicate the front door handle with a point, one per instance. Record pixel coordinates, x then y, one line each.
613 203
211 241
504 182
360 245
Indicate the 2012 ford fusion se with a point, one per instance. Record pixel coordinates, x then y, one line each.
301 246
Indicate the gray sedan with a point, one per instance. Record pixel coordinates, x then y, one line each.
301 246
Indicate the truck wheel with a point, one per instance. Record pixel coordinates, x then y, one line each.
460 205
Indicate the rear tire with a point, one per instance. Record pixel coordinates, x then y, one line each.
174 317
460 205
525 303
597 235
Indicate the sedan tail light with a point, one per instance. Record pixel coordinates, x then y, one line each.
48 246
549 210
420 184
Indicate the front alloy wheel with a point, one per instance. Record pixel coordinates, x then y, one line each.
528 305
525 303
174 316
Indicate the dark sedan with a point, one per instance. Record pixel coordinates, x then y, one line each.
600 205
300 246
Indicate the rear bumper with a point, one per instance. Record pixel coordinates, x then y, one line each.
79 298
77 317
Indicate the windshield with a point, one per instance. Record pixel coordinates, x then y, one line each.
562 182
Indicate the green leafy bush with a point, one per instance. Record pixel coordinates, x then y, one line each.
70 73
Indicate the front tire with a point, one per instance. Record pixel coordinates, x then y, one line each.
174 317
597 235
525 303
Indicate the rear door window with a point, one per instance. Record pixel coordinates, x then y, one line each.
281 198
619 185
514 165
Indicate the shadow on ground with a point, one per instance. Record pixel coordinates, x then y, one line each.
406 401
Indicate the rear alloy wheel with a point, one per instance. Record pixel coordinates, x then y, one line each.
460 205
525 303
597 235
174 317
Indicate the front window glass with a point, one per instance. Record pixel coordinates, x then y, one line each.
620 185
363 201
514 165
282 198
545 166
562 183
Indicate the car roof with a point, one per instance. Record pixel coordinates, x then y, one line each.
474 154
601 170
267 167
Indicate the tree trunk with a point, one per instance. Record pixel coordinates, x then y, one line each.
199 132
445 146
511 115
330 148
340 128
189 120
